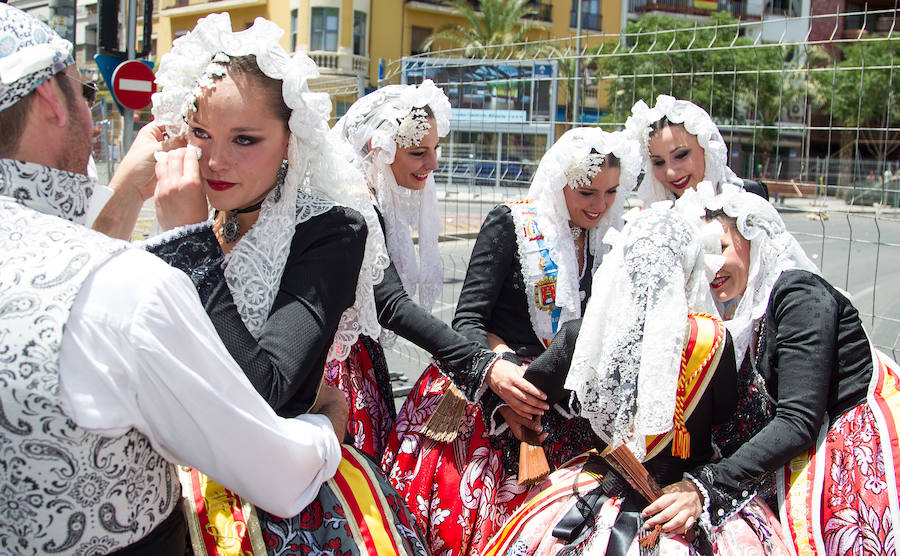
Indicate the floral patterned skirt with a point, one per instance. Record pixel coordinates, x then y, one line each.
840 497
363 378
753 530
461 492
836 499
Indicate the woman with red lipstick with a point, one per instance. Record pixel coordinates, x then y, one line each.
529 272
394 132
681 146
285 268
815 432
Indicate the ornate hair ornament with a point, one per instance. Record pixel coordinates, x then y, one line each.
582 171
214 70
412 129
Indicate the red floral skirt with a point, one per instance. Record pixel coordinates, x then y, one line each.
463 491
364 380
841 496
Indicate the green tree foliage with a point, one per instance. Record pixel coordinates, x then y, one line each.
711 63
860 89
494 30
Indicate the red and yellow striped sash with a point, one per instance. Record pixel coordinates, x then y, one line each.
223 524
884 397
561 487
220 522
370 518
700 357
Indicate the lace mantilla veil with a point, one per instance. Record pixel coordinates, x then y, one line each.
773 250
370 127
318 176
625 369
570 153
698 123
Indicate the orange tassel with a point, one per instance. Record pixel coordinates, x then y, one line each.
649 540
681 444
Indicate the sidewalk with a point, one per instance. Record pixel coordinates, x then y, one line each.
824 205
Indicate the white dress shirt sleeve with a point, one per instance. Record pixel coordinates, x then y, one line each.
139 351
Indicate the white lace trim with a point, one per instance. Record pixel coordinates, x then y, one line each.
553 216
370 127
698 123
404 211
704 519
316 166
625 369
773 250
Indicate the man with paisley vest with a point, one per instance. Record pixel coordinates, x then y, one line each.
110 370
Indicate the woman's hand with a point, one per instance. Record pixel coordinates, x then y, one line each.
517 423
523 397
677 510
180 199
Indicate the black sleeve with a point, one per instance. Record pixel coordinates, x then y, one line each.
462 360
804 319
195 251
489 267
286 363
549 370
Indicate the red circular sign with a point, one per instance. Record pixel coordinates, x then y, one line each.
133 83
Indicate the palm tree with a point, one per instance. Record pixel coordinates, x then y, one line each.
494 30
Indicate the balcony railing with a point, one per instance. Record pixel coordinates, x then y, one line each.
335 62
736 8
544 11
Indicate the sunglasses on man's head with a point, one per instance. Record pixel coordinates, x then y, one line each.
88 89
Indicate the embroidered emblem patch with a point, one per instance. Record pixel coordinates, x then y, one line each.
545 293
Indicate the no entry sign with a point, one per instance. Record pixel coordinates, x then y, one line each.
133 83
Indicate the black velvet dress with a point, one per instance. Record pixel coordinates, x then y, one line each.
285 364
812 360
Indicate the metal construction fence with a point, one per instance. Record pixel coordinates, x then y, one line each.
806 104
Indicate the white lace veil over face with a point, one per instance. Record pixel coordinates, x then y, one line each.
698 123
570 152
625 368
773 250
371 127
318 176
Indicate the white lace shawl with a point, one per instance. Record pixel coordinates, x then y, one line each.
369 127
317 177
773 250
698 123
553 215
628 355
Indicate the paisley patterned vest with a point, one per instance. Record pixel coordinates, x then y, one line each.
63 490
